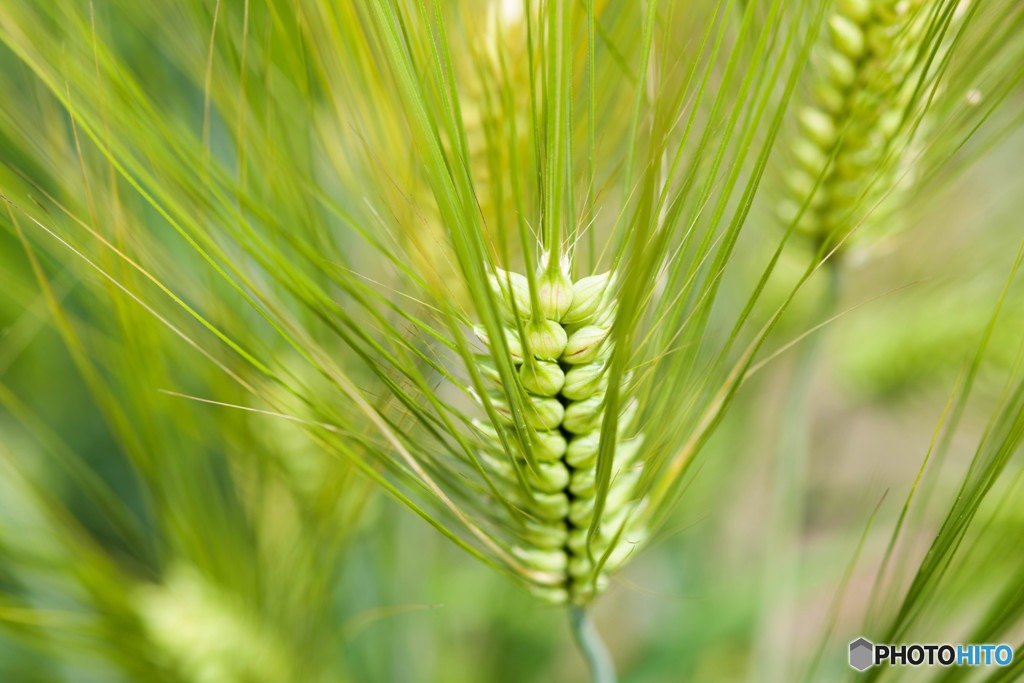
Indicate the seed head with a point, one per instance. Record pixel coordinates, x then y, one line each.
562 379
847 152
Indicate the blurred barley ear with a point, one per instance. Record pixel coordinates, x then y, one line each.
857 144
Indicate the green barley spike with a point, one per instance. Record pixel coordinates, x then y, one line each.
206 637
852 130
562 369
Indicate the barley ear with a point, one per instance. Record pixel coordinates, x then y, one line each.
563 372
851 144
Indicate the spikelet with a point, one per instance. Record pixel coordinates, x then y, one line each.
857 115
562 368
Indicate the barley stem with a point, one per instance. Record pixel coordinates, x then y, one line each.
602 667
781 569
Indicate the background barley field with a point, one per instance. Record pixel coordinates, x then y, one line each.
299 298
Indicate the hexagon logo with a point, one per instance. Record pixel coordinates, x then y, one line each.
862 654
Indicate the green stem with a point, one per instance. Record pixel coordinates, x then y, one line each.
602 667
780 574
